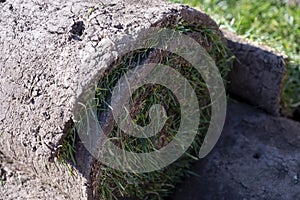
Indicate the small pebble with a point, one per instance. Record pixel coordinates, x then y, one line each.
295 179
35 93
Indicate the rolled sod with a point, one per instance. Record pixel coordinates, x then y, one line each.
44 73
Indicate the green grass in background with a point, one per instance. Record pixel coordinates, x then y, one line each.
271 22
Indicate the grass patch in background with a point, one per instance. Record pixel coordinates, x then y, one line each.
271 22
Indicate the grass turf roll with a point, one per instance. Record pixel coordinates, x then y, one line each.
109 183
44 75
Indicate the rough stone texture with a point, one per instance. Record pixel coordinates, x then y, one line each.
258 73
257 157
44 46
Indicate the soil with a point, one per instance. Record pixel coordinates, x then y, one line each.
257 157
